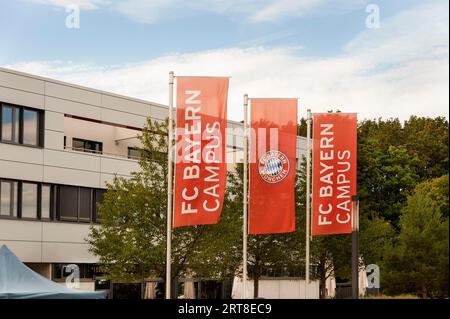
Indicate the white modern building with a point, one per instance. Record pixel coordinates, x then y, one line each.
59 145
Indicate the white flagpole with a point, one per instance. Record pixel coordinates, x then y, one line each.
245 218
308 198
169 192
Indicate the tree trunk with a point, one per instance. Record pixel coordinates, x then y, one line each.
424 292
256 287
174 290
323 281
323 287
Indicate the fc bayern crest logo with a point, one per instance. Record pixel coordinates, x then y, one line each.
273 166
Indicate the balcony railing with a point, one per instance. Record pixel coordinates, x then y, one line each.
84 150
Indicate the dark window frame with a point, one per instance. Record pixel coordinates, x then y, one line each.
22 126
131 148
12 196
40 125
91 200
60 204
13 123
97 192
38 200
55 202
51 199
87 271
91 205
84 149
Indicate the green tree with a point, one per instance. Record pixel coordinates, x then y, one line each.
392 159
428 138
418 260
302 127
375 234
329 255
219 249
437 189
131 239
279 254
386 169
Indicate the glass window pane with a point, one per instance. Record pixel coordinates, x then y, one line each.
15 197
29 200
68 202
92 147
7 123
30 127
99 195
85 204
98 147
134 153
77 144
45 202
8 196
87 146
5 199
16 126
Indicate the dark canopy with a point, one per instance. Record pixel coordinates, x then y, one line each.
17 281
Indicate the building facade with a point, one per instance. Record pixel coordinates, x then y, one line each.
59 145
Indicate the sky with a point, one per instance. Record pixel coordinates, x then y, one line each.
377 58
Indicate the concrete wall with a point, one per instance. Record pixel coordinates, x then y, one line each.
46 242
62 166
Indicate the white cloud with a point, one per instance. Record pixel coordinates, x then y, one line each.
83 4
144 11
282 8
396 71
420 32
256 11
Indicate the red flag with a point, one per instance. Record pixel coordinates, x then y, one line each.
200 166
334 173
272 165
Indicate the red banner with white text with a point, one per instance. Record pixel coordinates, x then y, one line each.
200 165
272 165
334 172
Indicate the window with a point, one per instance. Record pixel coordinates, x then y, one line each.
86 271
5 199
10 124
68 202
7 124
85 204
76 203
99 195
30 127
20 125
45 201
134 153
8 198
29 200
87 146
32 200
